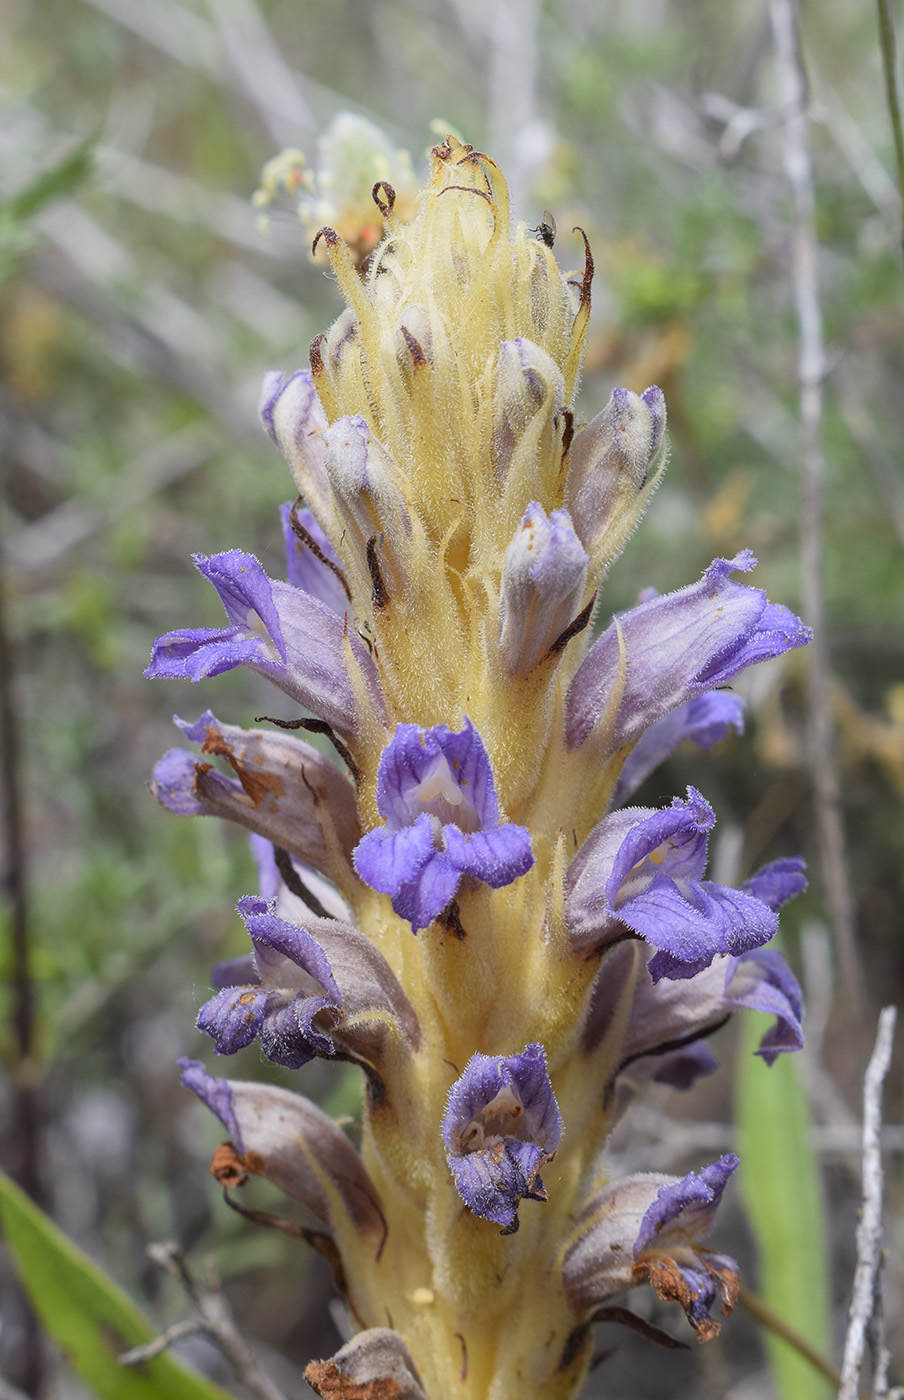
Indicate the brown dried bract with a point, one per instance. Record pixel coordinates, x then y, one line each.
228 1166
328 1381
257 786
669 1282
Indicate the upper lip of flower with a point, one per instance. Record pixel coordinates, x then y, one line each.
320 988
281 631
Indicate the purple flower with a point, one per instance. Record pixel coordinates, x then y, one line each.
435 791
279 787
312 991
654 1226
294 986
681 1069
276 630
501 1125
642 869
670 1014
671 648
706 720
173 784
668 1246
778 882
762 981
290 1142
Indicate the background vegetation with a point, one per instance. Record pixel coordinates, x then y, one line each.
139 308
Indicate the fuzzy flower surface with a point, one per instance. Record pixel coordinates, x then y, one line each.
465 772
643 869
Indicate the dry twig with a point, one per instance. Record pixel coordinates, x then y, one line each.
214 1319
865 1296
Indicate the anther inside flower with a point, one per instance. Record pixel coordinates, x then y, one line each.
458 520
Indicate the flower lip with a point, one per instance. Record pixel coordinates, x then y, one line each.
283 1007
704 719
669 1246
245 592
283 633
650 1225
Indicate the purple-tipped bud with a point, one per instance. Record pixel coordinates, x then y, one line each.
542 587
364 480
610 460
293 415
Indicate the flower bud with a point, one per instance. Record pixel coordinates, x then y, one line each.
293 415
542 585
529 390
609 462
364 481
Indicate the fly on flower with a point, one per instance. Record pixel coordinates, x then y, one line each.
546 229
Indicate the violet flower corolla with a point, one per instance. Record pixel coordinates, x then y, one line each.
470 755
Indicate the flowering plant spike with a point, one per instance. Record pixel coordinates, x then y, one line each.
458 900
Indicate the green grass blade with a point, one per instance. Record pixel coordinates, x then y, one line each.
782 1192
64 178
87 1314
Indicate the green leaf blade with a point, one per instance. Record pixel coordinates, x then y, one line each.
781 1188
87 1314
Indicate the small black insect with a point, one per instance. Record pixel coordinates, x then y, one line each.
546 229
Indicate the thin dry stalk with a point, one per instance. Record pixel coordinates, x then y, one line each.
811 369
214 1319
865 1297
